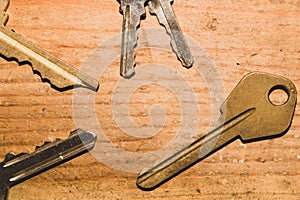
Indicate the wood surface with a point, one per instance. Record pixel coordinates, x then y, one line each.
239 36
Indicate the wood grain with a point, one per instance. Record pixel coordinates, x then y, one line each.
238 35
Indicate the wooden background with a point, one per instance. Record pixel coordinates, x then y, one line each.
239 36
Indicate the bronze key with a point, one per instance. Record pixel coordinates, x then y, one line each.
59 73
247 114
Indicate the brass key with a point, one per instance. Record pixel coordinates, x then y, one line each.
56 71
247 114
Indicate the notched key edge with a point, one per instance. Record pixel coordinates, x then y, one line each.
131 23
127 60
92 85
170 22
3 8
58 73
64 151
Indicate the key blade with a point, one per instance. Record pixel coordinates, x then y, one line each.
132 13
166 17
192 154
52 69
9 156
57 72
129 42
46 157
269 120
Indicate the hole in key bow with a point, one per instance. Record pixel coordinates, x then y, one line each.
279 95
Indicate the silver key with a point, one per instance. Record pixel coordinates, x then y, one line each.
132 11
166 17
18 168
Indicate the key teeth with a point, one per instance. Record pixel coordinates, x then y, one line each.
60 85
4 5
10 156
50 68
178 43
132 15
45 143
45 78
21 154
11 56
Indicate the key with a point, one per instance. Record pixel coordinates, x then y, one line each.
133 11
18 168
247 114
166 17
50 68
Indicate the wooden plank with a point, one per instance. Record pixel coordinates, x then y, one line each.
238 36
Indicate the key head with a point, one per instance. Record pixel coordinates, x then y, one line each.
137 7
264 119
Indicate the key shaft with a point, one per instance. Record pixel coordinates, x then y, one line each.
18 168
192 154
132 12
